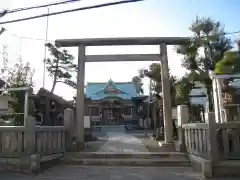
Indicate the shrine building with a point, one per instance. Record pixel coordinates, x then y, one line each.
109 103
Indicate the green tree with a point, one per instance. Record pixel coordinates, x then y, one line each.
229 64
209 37
60 66
18 75
183 87
154 73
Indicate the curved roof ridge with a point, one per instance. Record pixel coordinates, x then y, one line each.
110 81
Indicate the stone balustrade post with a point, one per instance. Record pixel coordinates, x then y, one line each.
30 143
70 129
211 144
29 134
183 118
212 133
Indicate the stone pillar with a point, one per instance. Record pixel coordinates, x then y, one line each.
167 107
211 144
30 143
212 139
26 106
183 118
220 100
80 96
70 129
29 134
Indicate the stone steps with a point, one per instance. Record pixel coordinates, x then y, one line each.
139 155
126 162
127 159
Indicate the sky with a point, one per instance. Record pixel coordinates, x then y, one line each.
149 18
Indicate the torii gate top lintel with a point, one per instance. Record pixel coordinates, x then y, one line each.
122 41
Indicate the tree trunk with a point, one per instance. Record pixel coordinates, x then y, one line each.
55 77
54 83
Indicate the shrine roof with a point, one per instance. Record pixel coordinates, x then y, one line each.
101 90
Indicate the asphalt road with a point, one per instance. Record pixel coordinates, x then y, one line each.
111 173
107 173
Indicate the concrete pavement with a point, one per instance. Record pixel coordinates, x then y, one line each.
121 142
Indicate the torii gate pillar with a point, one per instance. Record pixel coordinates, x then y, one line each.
80 111
166 94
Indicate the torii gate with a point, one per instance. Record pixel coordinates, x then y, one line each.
161 57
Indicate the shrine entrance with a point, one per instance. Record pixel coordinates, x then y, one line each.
112 112
161 57
111 116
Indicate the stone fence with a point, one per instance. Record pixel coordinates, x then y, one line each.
24 148
213 148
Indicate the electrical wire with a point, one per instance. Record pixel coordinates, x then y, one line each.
39 39
72 10
34 39
41 6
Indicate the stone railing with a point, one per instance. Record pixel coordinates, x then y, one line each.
196 136
209 144
225 145
24 147
228 140
17 141
12 141
50 140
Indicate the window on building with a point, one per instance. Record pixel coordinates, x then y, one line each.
127 110
95 111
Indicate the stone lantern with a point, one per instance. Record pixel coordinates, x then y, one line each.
4 107
4 104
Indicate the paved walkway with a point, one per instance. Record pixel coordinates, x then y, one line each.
121 142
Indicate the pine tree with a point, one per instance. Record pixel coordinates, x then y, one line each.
60 66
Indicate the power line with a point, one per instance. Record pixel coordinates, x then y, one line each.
72 10
49 40
29 38
41 6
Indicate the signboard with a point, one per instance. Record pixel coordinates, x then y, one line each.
87 122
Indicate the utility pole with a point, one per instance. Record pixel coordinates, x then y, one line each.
45 48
